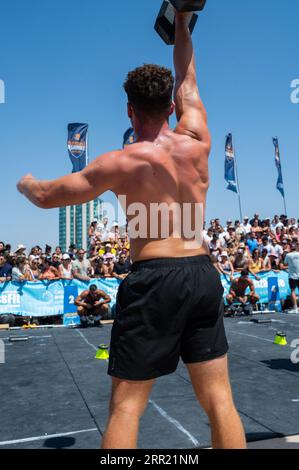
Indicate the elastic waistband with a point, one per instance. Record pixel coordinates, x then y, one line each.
171 262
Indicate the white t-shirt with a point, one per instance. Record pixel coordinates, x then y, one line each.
292 260
247 227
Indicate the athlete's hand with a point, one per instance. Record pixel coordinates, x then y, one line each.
25 182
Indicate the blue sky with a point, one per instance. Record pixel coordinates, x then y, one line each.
65 61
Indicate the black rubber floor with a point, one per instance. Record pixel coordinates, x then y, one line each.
54 394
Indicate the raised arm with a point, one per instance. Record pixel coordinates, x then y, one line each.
101 175
190 111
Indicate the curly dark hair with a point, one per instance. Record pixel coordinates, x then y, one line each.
149 89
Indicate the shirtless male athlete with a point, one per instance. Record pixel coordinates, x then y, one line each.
171 304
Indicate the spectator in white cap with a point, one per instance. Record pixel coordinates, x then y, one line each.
246 225
65 268
20 251
225 266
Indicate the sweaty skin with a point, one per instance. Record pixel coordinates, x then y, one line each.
163 166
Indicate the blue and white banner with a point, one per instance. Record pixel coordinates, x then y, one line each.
279 185
230 165
77 145
49 298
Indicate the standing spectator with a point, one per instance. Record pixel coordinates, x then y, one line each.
122 268
5 269
81 267
2 247
292 261
102 228
65 268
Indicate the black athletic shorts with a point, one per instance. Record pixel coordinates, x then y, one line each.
167 309
294 283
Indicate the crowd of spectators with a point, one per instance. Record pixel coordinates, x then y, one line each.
257 245
106 257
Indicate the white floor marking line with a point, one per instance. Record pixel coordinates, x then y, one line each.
295 401
86 340
252 336
176 423
46 436
158 408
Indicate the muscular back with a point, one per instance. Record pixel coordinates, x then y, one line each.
171 169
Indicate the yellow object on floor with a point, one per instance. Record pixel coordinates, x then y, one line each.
280 339
102 353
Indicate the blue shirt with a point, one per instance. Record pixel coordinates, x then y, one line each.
252 244
5 270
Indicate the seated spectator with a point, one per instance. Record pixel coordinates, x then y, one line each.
108 251
48 272
33 272
98 267
215 245
225 266
82 269
108 265
277 248
265 245
19 273
266 263
5 269
255 263
20 251
241 260
65 268
238 290
93 302
274 261
56 260
122 268
58 252
256 228
252 242
34 252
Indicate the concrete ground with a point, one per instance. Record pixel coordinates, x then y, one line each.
54 393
